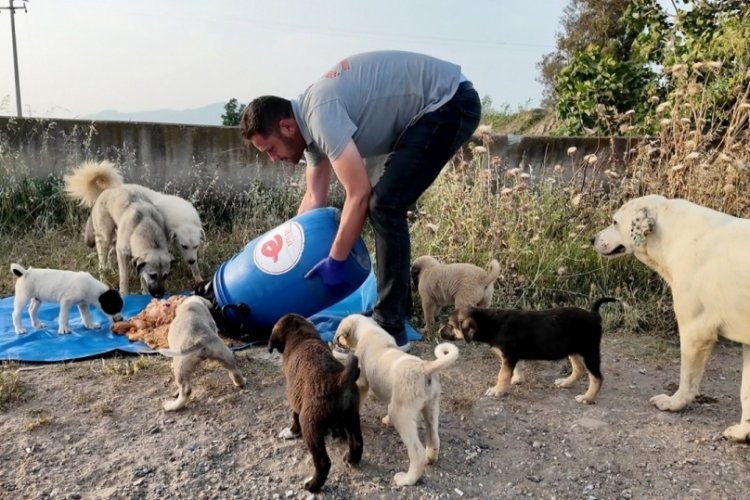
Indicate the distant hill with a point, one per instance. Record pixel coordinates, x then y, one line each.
206 115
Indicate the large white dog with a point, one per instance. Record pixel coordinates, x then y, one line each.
702 254
180 216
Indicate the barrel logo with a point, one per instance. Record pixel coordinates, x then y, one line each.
280 250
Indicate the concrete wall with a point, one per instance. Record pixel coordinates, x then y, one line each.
183 156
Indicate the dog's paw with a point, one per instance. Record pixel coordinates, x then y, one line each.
517 379
173 405
93 326
20 331
403 479
738 433
494 392
38 325
386 420
312 484
431 454
581 398
287 433
63 330
563 382
667 403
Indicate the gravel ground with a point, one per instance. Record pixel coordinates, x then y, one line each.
95 429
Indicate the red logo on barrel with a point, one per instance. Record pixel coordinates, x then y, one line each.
272 247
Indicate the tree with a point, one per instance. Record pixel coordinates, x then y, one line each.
584 23
232 113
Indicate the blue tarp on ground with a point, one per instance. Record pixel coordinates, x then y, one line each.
48 346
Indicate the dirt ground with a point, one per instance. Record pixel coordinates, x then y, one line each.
95 429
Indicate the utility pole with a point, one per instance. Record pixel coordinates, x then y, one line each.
12 10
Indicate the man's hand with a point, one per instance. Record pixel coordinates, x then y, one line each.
332 273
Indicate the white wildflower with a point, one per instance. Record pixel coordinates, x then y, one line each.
479 150
693 156
506 191
557 168
432 227
662 107
714 65
572 150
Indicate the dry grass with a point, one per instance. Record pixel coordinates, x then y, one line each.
538 228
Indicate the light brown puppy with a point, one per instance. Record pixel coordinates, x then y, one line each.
463 285
193 339
409 384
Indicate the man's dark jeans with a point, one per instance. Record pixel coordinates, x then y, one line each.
417 159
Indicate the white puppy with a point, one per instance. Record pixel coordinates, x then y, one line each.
702 255
66 288
193 338
409 384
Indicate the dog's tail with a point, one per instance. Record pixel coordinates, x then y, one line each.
351 372
599 302
18 270
174 353
446 354
88 181
493 271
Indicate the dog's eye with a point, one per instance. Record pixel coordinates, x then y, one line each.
153 276
184 247
614 222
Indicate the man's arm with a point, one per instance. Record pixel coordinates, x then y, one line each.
350 170
317 179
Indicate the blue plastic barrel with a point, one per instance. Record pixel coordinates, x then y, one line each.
267 276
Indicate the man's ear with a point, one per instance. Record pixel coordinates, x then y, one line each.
288 127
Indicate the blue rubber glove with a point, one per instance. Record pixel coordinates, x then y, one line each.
332 273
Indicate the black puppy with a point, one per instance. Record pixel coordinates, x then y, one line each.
549 334
321 391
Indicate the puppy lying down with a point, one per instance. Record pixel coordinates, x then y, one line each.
151 325
549 334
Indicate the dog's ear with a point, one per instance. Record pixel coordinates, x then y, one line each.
111 302
171 236
469 328
276 341
641 226
203 235
138 265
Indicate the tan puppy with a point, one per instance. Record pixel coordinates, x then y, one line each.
192 339
463 285
410 385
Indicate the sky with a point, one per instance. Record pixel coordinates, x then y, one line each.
80 57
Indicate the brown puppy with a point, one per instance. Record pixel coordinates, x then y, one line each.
549 334
322 393
462 285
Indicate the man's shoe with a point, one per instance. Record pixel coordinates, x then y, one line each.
402 341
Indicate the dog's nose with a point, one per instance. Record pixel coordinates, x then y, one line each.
157 293
117 317
593 239
191 261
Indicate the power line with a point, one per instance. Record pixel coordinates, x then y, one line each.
13 10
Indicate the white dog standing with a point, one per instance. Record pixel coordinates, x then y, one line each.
702 255
193 338
66 288
409 384
180 216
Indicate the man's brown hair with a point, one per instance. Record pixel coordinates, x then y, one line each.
263 114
